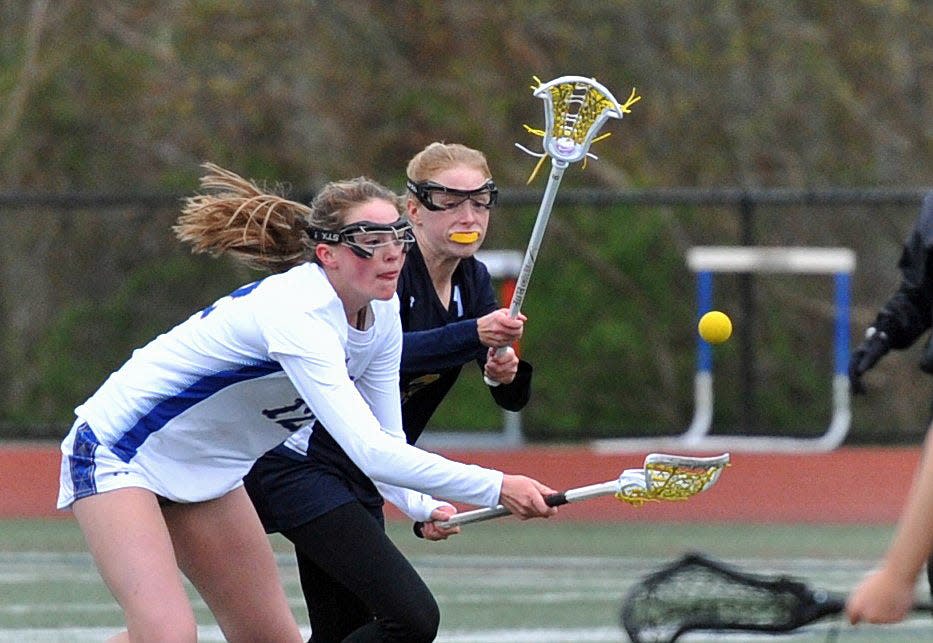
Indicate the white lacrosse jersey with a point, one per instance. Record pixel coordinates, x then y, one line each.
190 412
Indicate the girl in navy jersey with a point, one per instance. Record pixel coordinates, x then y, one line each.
153 464
448 307
450 318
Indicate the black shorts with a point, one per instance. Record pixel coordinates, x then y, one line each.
287 492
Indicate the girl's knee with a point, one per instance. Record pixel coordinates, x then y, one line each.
166 618
174 628
428 624
420 625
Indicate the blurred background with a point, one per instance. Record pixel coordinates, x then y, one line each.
799 123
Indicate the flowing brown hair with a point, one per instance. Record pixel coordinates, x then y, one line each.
266 230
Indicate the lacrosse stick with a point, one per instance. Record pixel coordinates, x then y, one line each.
664 477
575 108
699 593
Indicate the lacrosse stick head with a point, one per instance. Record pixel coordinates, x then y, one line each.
575 109
670 477
699 593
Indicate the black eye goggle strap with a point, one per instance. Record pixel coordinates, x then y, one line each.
424 190
400 232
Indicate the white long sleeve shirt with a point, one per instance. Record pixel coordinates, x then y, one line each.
195 407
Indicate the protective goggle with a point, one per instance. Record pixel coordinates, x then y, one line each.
365 237
435 196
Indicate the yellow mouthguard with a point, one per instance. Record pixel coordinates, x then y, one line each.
464 237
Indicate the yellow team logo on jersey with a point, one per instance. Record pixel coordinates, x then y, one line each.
419 383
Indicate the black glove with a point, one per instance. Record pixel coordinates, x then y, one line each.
873 348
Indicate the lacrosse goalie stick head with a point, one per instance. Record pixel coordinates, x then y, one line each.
670 477
698 593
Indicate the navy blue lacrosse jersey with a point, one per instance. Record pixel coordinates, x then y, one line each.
439 340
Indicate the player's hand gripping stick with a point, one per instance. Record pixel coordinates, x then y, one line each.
663 478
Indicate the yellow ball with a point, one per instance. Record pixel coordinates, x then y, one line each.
715 327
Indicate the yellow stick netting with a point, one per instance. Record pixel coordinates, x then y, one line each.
575 112
670 482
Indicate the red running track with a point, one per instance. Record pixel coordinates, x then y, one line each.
847 486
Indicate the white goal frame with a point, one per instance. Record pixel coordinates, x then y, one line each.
704 261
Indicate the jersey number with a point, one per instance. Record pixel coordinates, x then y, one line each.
291 417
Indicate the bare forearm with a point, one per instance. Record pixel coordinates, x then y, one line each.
913 540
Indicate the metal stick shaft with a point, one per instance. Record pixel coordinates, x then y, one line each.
534 244
537 236
571 495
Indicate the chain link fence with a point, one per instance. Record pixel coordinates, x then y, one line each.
85 278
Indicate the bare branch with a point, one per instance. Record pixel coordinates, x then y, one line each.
29 73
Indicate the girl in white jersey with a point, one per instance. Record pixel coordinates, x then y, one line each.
152 467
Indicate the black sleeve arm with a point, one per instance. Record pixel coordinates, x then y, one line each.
514 395
907 314
438 348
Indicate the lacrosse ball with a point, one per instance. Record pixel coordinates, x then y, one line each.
715 327
464 237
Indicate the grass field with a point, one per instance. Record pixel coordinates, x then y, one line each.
501 581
